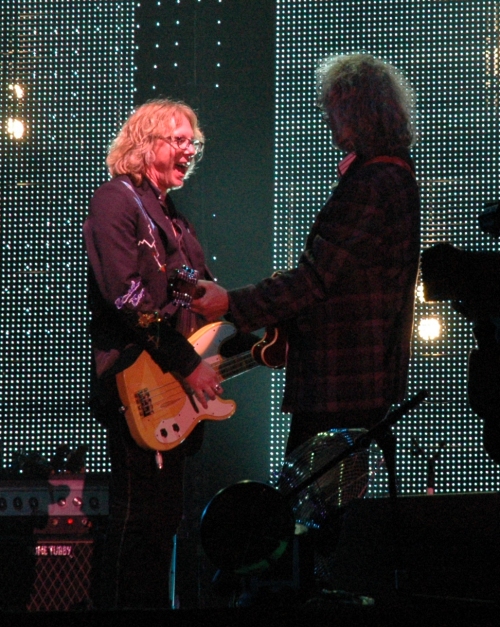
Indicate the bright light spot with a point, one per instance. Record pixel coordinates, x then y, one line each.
420 293
17 90
15 128
429 329
493 61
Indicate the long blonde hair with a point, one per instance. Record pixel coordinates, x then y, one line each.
132 150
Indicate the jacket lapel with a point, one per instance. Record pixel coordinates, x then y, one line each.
152 206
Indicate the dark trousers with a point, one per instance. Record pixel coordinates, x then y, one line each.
145 512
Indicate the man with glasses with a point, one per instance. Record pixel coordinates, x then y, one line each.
135 241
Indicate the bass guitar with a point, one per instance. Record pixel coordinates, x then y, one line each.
161 412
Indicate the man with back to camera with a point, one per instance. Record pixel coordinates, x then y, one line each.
348 305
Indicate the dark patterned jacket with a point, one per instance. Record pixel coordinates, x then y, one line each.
133 248
348 306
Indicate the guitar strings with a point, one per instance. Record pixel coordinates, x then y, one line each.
233 366
229 367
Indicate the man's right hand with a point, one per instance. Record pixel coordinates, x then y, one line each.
204 382
212 302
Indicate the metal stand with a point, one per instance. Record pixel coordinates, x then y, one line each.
382 434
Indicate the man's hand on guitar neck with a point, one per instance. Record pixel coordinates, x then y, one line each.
211 300
204 382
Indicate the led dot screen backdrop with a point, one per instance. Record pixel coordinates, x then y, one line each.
450 52
67 82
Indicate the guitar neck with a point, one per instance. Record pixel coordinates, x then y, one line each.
233 366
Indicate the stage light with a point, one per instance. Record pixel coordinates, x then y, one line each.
16 128
420 293
429 329
17 90
56 97
492 57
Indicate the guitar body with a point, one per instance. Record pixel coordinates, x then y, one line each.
271 350
159 411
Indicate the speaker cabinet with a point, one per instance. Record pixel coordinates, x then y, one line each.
48 573
62 578
441 545
50 539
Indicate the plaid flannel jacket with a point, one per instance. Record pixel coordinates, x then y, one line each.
348 305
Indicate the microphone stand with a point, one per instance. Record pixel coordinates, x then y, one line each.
382 434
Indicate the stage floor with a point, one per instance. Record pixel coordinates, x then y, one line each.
404 612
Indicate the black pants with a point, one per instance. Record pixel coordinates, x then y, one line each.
145 512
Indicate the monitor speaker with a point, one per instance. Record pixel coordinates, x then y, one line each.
441 546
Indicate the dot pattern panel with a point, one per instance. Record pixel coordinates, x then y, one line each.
450 53
74 63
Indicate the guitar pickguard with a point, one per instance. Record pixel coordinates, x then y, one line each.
160 412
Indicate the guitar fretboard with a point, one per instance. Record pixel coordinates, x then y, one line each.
233 366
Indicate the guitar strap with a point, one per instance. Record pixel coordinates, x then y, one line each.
347 161
394 160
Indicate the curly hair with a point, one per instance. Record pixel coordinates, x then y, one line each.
132 150
367 103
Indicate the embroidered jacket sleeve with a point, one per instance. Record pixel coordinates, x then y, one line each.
128 280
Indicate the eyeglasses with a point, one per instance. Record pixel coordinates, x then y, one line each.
183 143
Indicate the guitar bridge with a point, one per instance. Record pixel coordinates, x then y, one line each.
144 402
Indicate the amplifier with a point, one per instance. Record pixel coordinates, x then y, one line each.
50 539
47 573
61 504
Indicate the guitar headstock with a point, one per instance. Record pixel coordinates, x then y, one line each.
182 286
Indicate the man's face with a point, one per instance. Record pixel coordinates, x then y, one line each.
171 163
340 132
